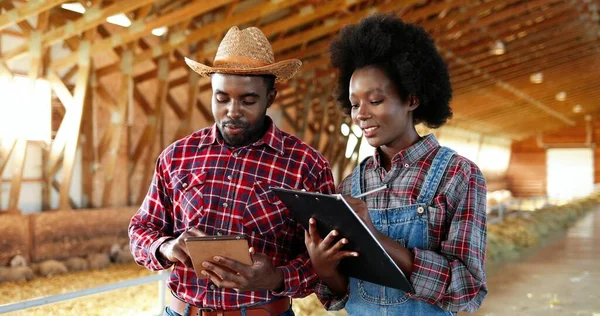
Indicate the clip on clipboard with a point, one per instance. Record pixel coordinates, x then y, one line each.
333 212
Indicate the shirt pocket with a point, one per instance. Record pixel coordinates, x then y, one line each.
189 196
264 213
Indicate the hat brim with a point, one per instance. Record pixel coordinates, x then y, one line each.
283 70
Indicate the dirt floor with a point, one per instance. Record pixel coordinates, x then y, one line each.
560 279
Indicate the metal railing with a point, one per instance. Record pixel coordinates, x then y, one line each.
160 277
499 210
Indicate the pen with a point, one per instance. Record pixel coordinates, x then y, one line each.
372 191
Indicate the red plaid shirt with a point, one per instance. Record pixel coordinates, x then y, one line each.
451 274
201 182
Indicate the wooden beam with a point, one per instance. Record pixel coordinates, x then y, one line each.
155 127
528 24
88 152
175 106
192 91
315 33
523 45
535 63
142 28
24 25
153 118
208 31
117 125
5 155
508 87
19 154
93 17
46 181
497 17
74 124
547 47
27 10
56 186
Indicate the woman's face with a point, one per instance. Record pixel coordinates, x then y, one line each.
385 119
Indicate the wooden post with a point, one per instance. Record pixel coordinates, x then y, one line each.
73 124
117 124
154 122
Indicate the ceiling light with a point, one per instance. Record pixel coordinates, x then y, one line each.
73 6
498 48
561 96
577 108
119 19
345 129
160 31
537 77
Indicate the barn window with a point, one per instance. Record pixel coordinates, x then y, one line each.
570 172
25 110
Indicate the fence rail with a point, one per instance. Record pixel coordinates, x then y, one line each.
160 277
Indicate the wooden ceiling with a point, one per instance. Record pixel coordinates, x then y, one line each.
493 93
126 72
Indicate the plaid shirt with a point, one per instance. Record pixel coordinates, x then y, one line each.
200 182
451 274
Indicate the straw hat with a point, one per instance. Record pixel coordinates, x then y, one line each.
247 52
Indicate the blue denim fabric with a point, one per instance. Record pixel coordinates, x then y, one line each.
408 225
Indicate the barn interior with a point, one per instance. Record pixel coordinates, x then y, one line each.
92 91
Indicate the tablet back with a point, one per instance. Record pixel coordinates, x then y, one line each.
332 212
206 248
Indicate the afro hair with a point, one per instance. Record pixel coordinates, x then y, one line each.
407 55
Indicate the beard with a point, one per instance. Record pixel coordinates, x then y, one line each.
246 136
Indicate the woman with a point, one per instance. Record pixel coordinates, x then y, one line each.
431 220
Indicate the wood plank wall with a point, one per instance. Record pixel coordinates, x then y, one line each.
526 174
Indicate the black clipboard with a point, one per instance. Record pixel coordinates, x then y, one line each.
333 212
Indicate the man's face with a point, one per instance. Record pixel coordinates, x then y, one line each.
239 106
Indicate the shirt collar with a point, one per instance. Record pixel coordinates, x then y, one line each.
272 138
413 153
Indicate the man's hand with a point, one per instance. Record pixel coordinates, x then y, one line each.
175 249
231 274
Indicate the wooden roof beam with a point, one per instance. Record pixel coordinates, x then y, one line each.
533 63
520 94
527 23
93 17
25 11
140 28
557 42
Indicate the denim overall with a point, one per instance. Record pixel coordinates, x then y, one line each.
408 225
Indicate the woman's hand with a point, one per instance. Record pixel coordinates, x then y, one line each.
360 208
324 253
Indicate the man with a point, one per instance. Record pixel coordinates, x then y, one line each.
217 181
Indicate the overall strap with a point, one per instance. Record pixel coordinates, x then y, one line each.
434 175
357 177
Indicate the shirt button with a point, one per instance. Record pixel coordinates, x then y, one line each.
235 155
229 177
212 286
405 165
420 210
184 185
224 204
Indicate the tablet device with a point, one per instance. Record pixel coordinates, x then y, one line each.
205 248
333 212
